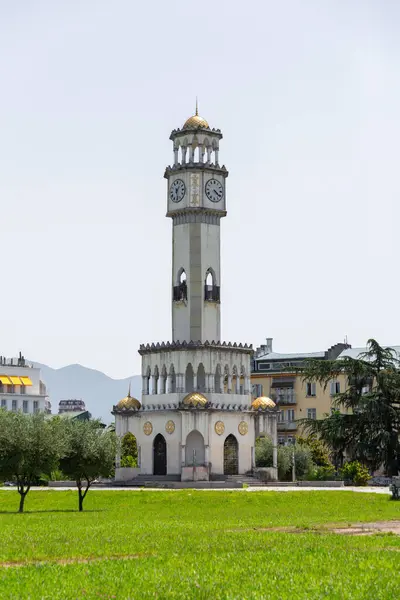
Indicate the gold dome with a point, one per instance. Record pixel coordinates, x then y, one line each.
195 399
262 402
129 403
196 122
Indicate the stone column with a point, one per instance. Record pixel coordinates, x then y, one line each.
221 384
191 153
201 153
210 383
194 382
145 385
184 151
154 385
247 385
229 389
169 383
206 454
180 383
216 155
183 455
237 385
176 156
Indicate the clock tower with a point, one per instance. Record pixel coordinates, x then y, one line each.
196 202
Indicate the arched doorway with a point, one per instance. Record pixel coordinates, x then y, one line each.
194 450
159 455
231 456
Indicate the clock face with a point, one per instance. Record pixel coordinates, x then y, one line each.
177 190
214 190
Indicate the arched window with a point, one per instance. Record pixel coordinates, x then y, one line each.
211 289
189 379
201 378
180 289
217 380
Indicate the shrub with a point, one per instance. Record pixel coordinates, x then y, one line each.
355 472
128 461
319 473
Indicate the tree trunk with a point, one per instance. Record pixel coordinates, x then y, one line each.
81 494
22 494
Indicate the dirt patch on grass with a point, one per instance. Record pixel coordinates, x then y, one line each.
72 561
369 528
351 529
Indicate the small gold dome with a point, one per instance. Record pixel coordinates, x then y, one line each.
196 122
262 402
129 403
195 399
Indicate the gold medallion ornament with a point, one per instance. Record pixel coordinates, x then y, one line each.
170 427
219 427
243 428
147 428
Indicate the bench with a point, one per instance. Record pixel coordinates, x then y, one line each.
395 488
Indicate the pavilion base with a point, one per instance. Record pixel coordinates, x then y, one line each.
198 473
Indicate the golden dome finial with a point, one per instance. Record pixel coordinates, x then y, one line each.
129 390
197 108
196 122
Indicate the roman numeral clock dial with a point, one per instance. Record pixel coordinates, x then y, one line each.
214 190
177 190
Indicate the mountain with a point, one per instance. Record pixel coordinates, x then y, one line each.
97 390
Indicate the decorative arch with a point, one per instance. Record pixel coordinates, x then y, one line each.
231 456
159 455
189 379
201 378
163 380
172 380
217 380
211 289
155 380
129 451
194 449
180 288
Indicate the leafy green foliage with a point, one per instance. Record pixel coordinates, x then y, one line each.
366 422
29 447
302 457
90 453
194 544
129 453
319 451
355 472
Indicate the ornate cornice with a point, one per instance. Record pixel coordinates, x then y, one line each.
190 166
196 215
171 346
202 130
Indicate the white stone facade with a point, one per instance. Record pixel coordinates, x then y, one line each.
196 419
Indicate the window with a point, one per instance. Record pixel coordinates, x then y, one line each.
281 441
257 390
10 389
22 389
25 406
365 390
335 388
290 414
311 389
311 413
264 366
14 406
35 406
3 403
290 441
281 416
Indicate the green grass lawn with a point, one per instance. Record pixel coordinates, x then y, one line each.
194 544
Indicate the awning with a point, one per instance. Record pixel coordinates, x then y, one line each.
26 381
4 380
15 380
283 382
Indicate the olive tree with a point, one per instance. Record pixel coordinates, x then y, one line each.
30 446
89 454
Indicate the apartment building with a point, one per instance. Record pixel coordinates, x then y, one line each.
21 386
296 399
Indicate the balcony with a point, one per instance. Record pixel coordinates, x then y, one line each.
284 397
211 293
287 425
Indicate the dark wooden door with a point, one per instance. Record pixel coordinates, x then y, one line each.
159 455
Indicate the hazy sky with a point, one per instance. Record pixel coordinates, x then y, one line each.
307 94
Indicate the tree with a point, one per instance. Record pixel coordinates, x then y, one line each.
129 451
319 451
30 445
365 424
90 453
302 457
